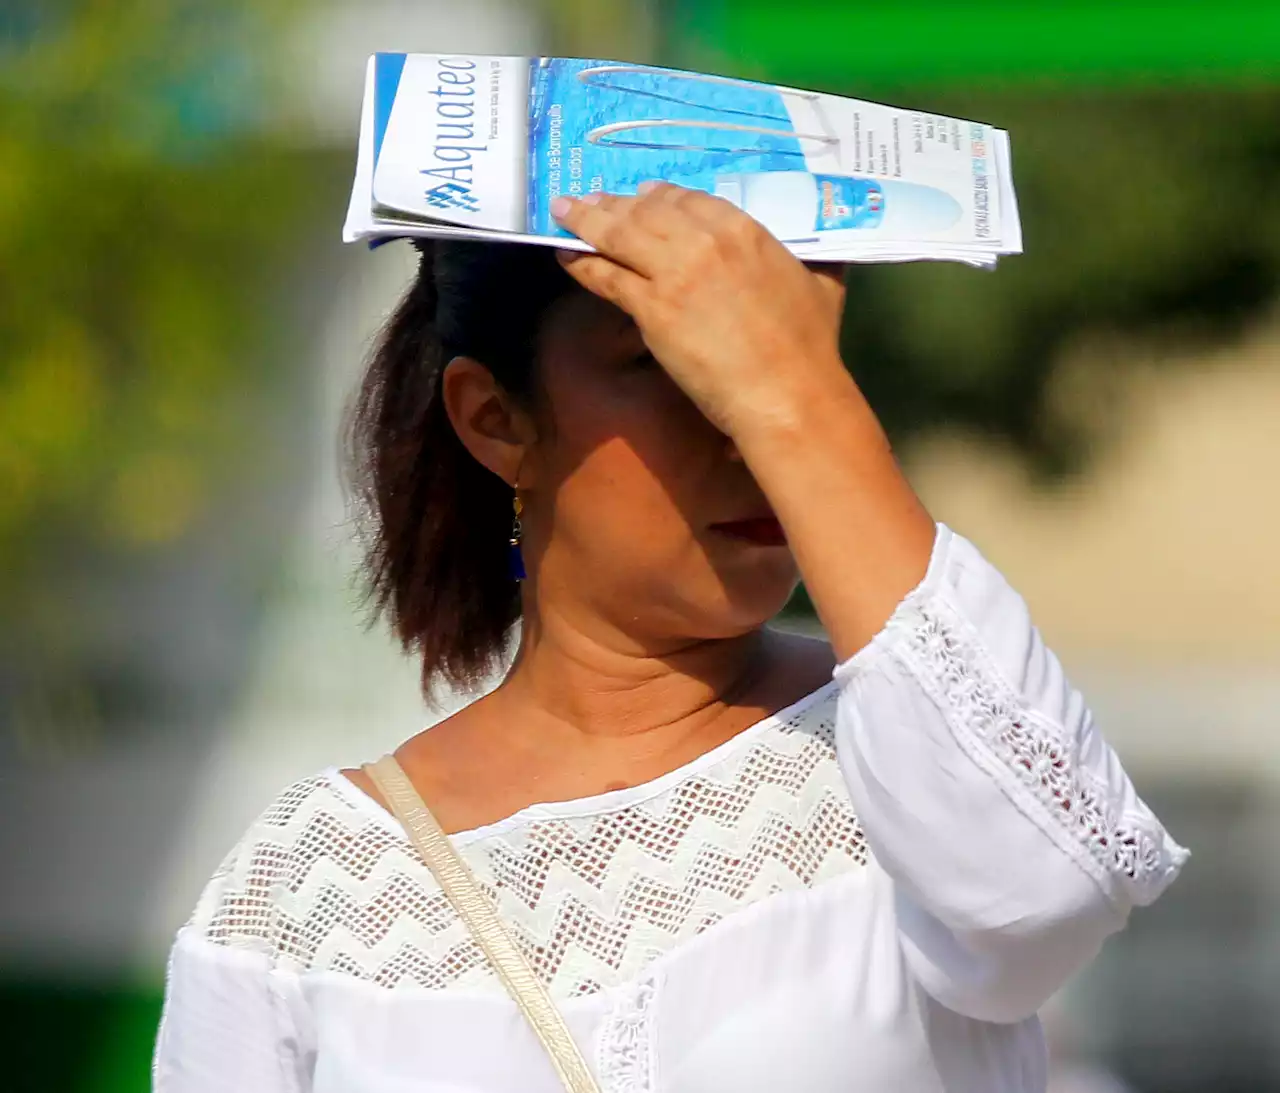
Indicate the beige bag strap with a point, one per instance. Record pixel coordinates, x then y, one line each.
473 906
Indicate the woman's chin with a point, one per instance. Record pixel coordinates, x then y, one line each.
763 569
753 599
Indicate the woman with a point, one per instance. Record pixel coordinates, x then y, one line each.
731 871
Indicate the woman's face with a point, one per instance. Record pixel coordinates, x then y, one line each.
631 489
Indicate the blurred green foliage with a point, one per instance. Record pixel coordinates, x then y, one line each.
1151 221
1146 146
78 1036
1150 217
146 213
1095 43
149 212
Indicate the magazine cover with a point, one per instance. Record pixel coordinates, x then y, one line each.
486 143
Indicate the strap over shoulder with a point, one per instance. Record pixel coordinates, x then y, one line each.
475 909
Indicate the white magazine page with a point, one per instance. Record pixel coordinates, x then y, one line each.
1011 222
360 223
450 138
884 177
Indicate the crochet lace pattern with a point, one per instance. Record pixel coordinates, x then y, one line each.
592 897
1029 755
624 1059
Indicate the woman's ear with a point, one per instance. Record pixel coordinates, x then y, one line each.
491 426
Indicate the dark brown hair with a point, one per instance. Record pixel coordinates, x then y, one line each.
436 523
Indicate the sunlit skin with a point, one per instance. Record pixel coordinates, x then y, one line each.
695 385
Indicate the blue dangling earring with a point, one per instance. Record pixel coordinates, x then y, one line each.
515 557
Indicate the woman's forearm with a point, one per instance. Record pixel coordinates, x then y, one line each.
861 536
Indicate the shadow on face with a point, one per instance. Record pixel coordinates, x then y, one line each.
631 483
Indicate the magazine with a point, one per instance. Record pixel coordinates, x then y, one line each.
478 147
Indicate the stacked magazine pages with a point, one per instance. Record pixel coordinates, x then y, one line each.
479 147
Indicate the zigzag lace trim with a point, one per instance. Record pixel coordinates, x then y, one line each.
591 899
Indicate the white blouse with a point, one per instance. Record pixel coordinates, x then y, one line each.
872 890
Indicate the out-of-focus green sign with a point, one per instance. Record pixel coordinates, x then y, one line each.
917 41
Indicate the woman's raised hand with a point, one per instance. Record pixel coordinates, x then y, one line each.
747 330
750 334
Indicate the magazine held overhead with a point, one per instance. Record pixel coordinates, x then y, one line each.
478 148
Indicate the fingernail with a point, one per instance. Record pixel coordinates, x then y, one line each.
593 198
646 186
560 206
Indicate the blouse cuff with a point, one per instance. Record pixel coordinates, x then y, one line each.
903 617
1036 761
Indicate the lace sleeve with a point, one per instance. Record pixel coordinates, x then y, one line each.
232 1019
1015 839
229 1022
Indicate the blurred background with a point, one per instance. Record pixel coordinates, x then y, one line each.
181 632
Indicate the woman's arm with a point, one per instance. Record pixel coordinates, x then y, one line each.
232 1019
1015 840
227 1024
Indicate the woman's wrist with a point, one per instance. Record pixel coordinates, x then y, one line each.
804 404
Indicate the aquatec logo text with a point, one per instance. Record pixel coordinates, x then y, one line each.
453 174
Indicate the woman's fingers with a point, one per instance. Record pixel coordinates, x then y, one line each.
610 224
721 226
605 277
659 243
655 229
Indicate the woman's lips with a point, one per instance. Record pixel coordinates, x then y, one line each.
763 530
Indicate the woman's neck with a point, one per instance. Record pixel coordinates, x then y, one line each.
576 718
599 686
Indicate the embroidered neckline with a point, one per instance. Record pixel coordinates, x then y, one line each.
592 897
591 804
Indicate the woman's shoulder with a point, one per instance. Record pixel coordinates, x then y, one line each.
317 842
